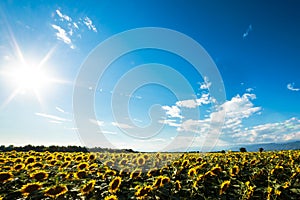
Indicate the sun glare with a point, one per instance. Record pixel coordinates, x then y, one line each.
30 79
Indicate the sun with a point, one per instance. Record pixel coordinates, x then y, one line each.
23 79
30 79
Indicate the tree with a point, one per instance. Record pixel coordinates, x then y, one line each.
243 149
261 149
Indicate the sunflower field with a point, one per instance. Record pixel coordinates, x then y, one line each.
111 176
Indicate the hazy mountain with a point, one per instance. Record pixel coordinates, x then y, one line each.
252 147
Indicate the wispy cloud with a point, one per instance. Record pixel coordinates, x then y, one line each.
291 87
247 31
193 103
52 117
270 132
109 132
206 84
60 109
62 16
121 125
70 29
62 35
170 122
97 122
172 111
88 22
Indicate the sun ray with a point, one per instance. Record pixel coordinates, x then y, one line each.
25 78
10 98
13 40
47 56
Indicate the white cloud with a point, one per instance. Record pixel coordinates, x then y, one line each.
62 16
206 84
137 120
62 35
75 25
249 89
109 132
52 117
55 122
60 109
170 122
195 126
247 31
120 125
229 115
97 122
240 106
291 87
68 28
193 103
88 22
270 132
172 111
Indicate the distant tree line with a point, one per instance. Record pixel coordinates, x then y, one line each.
55 148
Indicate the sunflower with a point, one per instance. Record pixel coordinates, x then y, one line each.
59 156
2 161
192 172
143 191
109 163
63 175
19 167
93 167
92 157
234 170
140 161
68 158
177 185
158 181
49 158
56 191
5 176
79 158
277 170
115 184
82 166
53 162
86 189
152 172
39 175
110 172
18 160
64 165
111 197
224 186
29 160
185 163
80 174
165 180
216 170
123 161
37 165
136 173
124 171
176 163
30 188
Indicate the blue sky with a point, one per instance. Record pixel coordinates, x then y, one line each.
255 46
